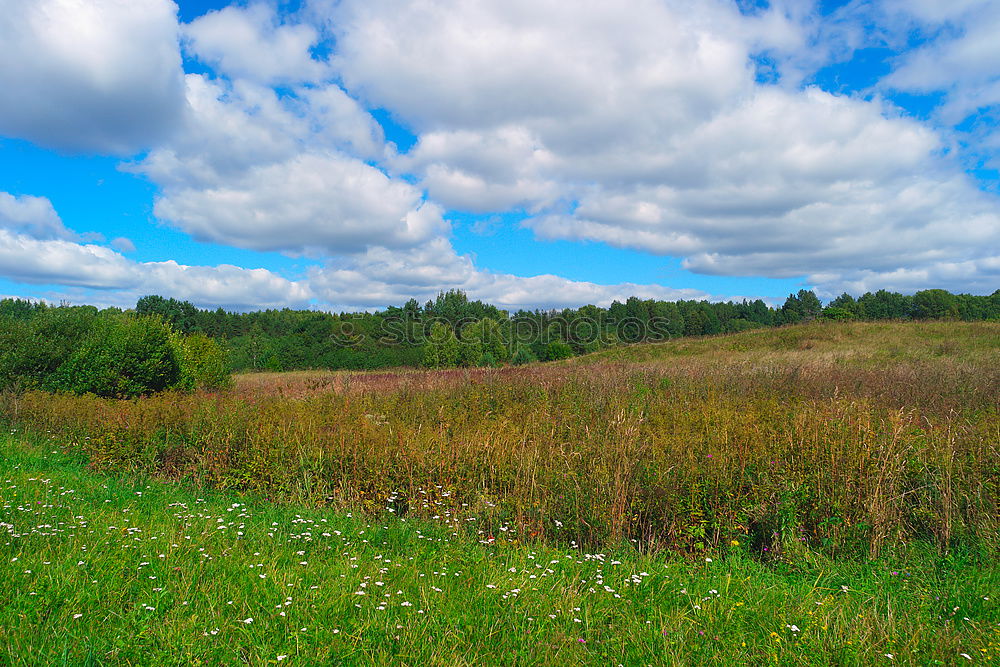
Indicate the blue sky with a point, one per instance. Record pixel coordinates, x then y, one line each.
352 154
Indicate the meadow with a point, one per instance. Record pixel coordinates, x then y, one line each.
819 494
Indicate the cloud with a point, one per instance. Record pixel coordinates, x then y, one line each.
645 128
252 43
337 121
313 203
483 171
294 173
123 245
789 185
374 279
224 285
959 60
33 216
27 259
102 76
31 260
381 277
550 291
933 11
226 130
640 125
259 172
974 276
461 65
36 248
232 127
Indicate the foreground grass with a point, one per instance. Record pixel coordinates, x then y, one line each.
106 570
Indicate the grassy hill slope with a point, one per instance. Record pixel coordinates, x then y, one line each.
859 343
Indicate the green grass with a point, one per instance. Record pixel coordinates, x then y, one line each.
99 569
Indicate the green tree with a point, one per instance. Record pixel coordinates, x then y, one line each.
800 307
442 349
20 309
846 302
934 304
17 368
712 323
481 339
694 323
523 355
884 305
557 350
181 315
203 363
740 324
122 357
31 350
667 320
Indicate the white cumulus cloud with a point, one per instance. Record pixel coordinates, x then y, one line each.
33 216
381 277
642 126
252 43
100 76
258 172
36 248
312 203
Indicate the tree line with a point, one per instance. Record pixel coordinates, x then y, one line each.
72 347
110 353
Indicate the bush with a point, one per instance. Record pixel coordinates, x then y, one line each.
487 360
835 313
557 350
122 357
31 350
523 355
442 349
204 365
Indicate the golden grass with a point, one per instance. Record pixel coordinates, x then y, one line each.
845 438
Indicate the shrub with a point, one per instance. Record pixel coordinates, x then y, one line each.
835 313
204 365
122 357
557 350
488 360
523 355
442 349
31 350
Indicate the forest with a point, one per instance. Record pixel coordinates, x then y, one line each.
167 343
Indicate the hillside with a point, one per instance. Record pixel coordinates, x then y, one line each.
855 343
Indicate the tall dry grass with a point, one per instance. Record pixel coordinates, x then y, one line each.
801 440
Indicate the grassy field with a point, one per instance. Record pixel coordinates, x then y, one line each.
778 439
102 569
820 494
